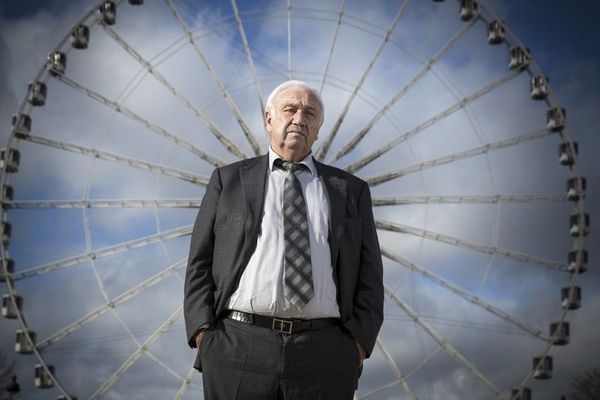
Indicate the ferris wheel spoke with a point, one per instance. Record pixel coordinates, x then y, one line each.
322 152
164 366
419 74
380 201
242 31
112 303
533 331
181 141
105 203
448 348
333 42
479 247
137 354
104 155
228 144
461 155
400 378
215 77
185 384
378 390
431 121
289 39
103 252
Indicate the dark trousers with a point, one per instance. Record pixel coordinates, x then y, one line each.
245 362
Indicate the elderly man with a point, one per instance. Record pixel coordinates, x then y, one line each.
283 289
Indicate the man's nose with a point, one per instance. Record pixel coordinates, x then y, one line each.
299 118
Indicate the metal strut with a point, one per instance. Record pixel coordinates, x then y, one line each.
232 106
479 247
103 252
533 331
132 162
322 153
442 342
186 144
112 303
390 103
137 354
333 42
228 144
431 121
104 203
379 201
461 155
240 25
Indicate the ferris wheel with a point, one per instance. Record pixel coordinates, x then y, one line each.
478 201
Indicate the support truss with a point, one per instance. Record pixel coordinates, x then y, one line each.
103 252
443 343
479 247
222 88
379 201
333 42
181 141
228 144
137 354
322 153
430 122
111 304
461 155
104 203
390 103
240 25
400 378
533 331
132 162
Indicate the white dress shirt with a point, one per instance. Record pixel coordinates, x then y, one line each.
260 290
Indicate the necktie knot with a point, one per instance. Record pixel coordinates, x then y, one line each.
289 166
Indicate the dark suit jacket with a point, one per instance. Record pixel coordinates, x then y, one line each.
227 228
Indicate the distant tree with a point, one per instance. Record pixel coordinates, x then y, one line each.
586 386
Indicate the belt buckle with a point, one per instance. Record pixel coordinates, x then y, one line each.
282 326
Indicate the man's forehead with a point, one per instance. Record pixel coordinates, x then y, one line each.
297 94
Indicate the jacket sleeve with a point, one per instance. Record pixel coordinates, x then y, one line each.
367 315
198 302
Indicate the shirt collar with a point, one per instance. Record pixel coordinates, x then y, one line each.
308 161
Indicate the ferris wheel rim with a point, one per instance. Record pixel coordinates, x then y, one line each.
24 106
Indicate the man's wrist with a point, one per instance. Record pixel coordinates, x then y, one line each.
199 331
362 353
198 338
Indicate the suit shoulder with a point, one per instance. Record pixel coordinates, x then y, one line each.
237 165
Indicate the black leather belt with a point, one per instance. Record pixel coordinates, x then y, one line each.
283 325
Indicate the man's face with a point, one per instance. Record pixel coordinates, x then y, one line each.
293 122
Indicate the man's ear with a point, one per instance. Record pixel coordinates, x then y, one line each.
268 120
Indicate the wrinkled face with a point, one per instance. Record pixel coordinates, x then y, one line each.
293 122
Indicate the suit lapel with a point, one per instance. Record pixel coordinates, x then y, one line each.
336 191
253 179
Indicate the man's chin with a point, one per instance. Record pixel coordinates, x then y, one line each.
295 142
295 136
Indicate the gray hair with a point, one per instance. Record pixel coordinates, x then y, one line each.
293 83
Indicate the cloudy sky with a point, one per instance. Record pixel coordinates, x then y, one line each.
172 137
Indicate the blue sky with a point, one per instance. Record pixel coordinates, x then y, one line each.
562 36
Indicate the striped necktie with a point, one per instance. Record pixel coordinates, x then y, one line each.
298 283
